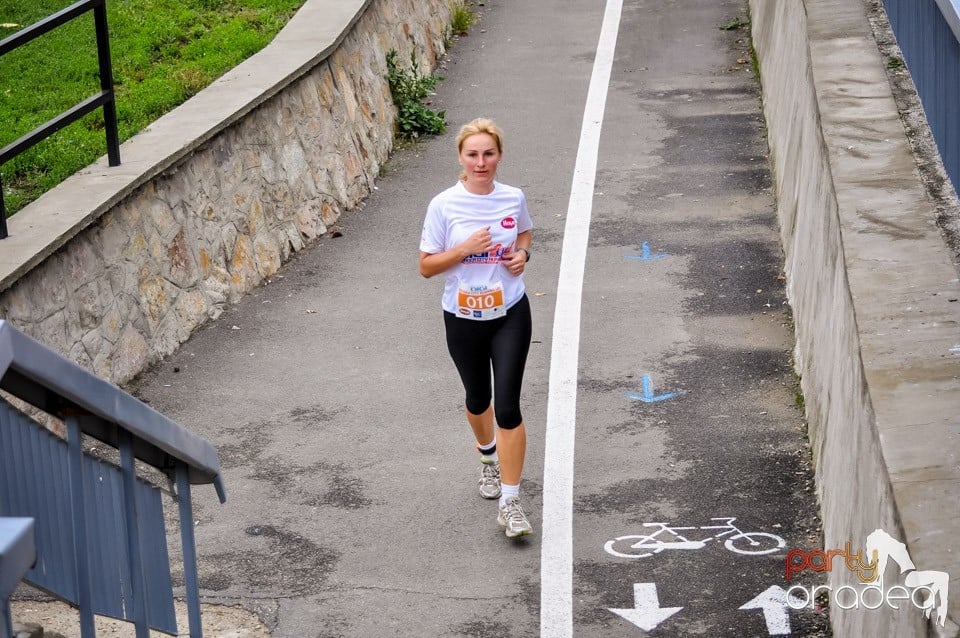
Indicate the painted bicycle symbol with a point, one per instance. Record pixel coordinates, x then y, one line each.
738 541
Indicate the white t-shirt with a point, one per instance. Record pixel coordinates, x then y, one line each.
454 215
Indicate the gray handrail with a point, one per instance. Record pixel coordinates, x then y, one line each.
86 511
36 374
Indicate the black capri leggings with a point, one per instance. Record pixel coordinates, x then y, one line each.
504 342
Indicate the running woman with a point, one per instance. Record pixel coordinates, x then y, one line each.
477 233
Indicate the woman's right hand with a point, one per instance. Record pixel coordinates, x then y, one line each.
478 242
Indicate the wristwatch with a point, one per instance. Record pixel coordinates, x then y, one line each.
526 250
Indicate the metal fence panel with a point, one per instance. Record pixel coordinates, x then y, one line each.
926 33
34 482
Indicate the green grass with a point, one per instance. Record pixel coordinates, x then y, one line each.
735 23
462 18
164 52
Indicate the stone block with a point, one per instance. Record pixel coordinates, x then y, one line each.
228 236
86 300
111 325
79 355
216 288
191 310
161 217
267 249
308 221
293 162
17 305
156 296
136 248
174 190
48 286
167 337
293 236
112 237
52 332
329 213
180 266
130 357
242 267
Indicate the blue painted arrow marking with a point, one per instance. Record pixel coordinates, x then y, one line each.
648 395
645 254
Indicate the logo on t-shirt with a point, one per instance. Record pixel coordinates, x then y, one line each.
494 256
508 222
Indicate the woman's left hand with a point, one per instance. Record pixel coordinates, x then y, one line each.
515 262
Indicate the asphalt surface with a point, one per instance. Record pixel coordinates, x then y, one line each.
350 471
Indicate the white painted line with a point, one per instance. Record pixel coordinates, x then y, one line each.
556 553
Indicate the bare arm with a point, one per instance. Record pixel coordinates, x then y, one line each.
435 263
524 240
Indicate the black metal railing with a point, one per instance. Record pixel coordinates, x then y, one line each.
103 99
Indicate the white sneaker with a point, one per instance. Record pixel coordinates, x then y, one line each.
512 517
489 479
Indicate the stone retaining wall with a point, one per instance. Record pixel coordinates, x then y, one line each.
118 266
873 291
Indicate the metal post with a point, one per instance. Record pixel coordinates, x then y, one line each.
3 213
189 550
18 555
106 83
131 517
78 516
6 624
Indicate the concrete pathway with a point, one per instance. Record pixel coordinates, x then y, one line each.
351 475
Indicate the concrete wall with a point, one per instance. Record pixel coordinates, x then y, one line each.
874 294
118 266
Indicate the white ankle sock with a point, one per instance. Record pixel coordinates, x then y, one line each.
486 454
507 491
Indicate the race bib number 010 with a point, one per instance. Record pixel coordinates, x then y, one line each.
480 302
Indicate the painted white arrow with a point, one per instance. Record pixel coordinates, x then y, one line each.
773 602
646 613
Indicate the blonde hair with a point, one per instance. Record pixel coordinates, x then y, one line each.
476 127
